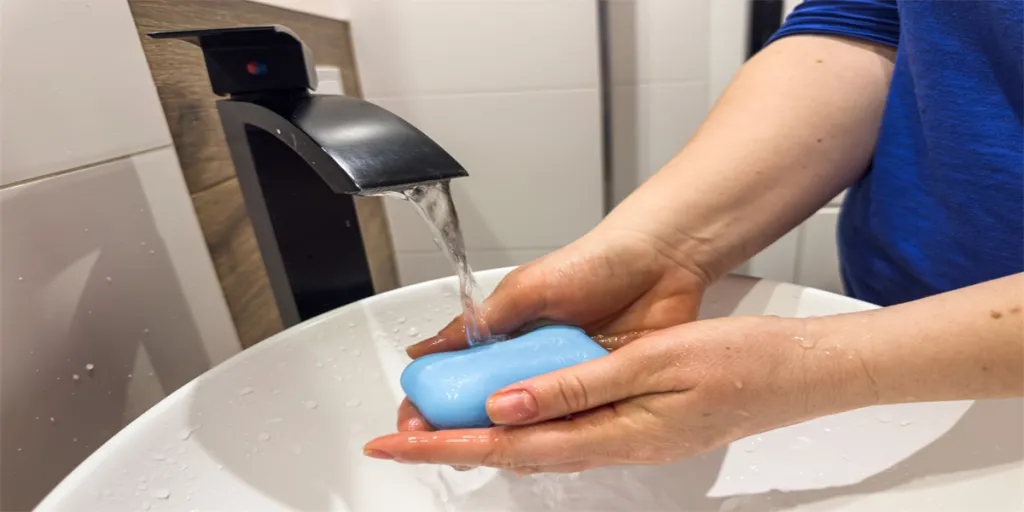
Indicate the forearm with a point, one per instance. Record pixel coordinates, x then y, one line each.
965 344
796 126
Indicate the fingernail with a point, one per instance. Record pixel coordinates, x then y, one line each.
423 348
378 454
515 406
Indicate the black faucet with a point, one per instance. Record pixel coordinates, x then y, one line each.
299 156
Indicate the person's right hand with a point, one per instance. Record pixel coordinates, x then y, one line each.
615 284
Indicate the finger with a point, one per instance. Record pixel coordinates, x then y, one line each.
516 301
596 437
631 371
410 419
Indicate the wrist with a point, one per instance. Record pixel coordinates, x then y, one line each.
843 354
686 254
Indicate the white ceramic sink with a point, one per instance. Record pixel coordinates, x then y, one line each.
281 427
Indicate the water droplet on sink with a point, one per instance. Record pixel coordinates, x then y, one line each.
906 423
413 332
53 420
161 494
882 418
351 325
401 319
159 456
21 278
186 433
396 329
310 404
738 384
75 376
263 436
352 403
109 279
245 391
90 367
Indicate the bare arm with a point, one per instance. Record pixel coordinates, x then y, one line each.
797 126
964 344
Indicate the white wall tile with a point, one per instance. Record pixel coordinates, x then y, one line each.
336 9
534 162
417 47
76 87
727 44
658 41
818 258
423 266
98 265
650 124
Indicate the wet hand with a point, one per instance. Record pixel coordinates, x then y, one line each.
610 283
667 396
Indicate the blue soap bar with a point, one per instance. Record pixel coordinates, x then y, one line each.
451 389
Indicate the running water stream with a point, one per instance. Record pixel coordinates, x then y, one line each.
434 203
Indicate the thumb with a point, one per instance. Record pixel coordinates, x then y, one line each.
518 300
622 374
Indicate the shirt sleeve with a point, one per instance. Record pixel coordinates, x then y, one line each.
871 20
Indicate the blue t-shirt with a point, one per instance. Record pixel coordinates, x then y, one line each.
942 204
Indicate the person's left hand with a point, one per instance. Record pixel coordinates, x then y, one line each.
670 395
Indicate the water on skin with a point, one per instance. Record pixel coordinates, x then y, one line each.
435 205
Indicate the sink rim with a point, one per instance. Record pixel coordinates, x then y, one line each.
78 478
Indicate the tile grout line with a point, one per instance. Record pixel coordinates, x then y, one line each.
28 181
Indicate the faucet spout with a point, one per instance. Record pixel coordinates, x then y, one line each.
299 159
355 146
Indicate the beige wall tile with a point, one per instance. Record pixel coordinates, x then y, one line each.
76 87
447 47
658 41
534 162
98 265
650 124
